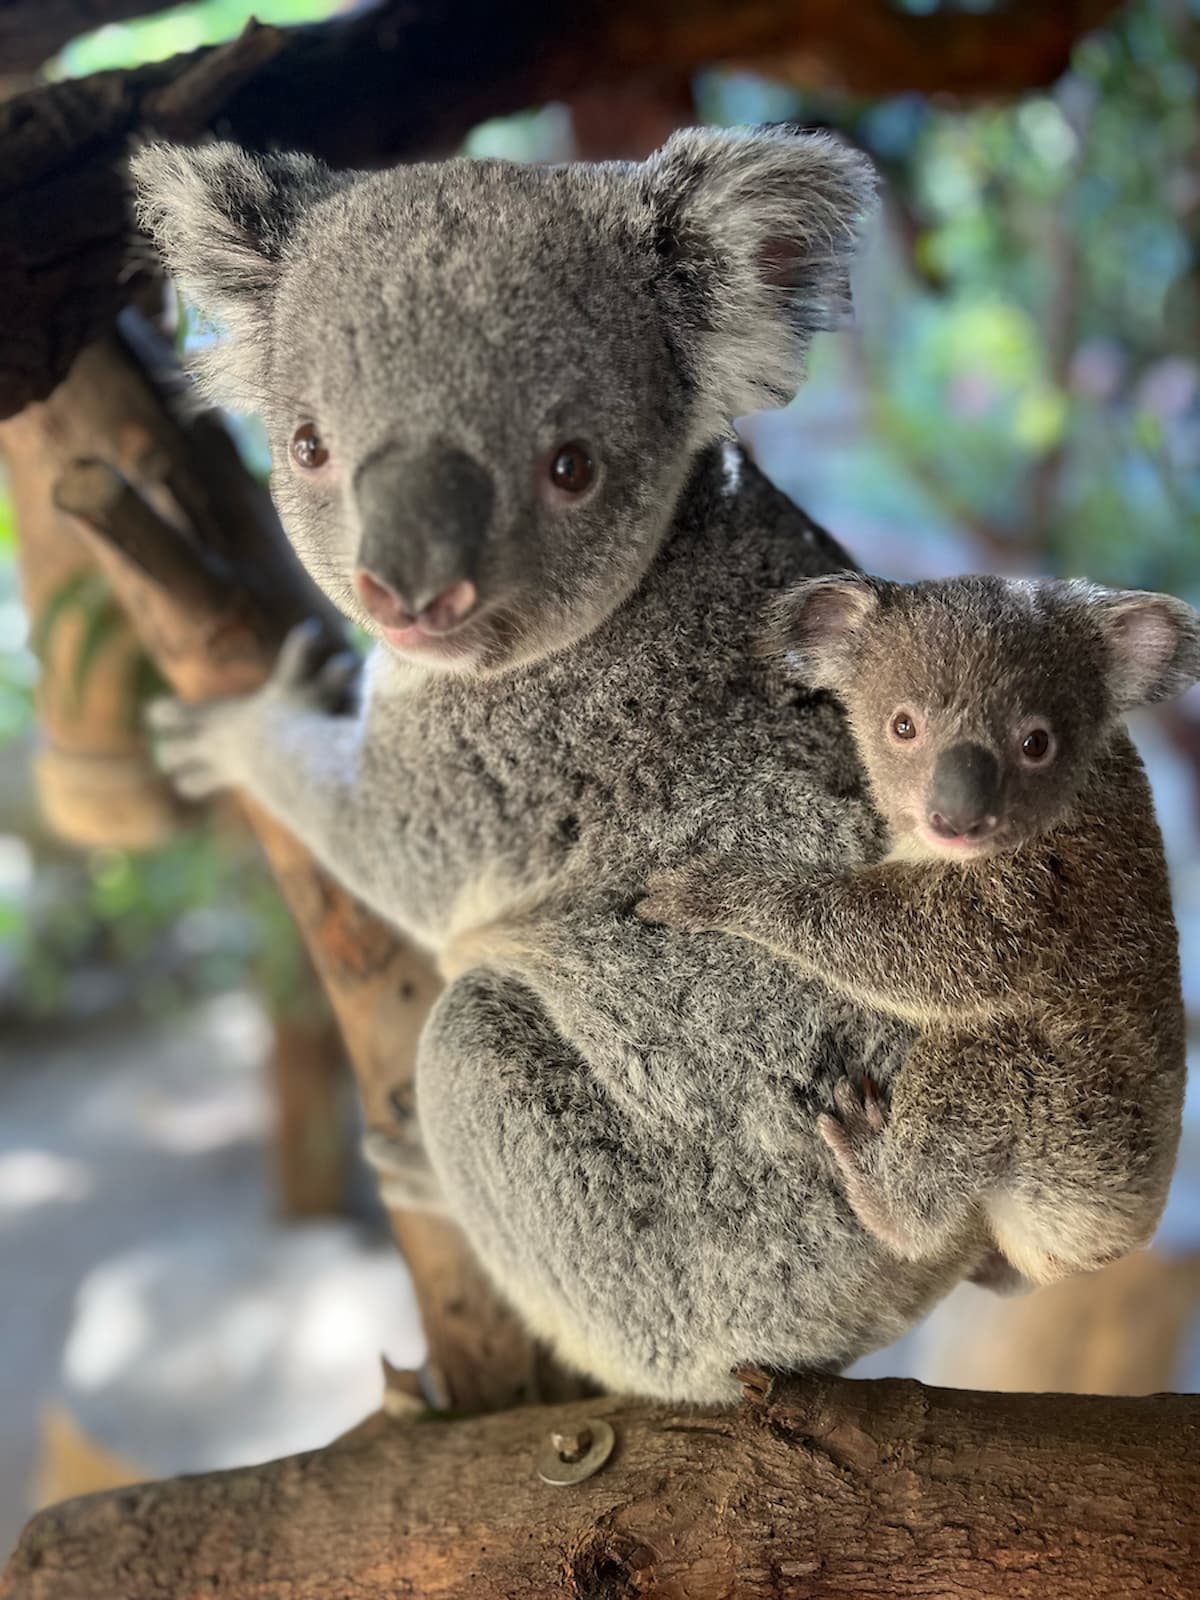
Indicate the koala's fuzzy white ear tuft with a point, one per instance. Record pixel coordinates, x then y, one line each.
756 230
1153 642
221 218
813 626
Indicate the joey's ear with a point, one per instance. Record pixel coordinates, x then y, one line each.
221 217
755 230
1153 644
814 626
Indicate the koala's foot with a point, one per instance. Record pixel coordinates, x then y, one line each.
210 745
996 1272
407 1182
855 1133
699 897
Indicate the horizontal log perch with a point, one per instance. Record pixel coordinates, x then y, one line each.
411 77
821 1489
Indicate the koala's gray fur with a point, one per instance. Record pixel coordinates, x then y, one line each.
1040 1105
622 1118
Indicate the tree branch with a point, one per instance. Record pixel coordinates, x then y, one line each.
412 77
822 1490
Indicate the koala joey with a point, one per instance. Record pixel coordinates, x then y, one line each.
1021 921
498 399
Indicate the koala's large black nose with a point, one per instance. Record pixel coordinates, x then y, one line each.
964 798
424 522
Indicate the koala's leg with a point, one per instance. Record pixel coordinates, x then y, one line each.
1095 1161
921 1173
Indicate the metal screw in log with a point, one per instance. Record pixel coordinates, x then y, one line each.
569 1457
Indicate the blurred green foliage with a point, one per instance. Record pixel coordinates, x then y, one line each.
1022 388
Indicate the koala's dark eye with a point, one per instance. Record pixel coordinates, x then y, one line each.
904 725
572 468
1037 746
307 449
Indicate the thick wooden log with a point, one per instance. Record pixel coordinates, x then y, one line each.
411 77
193 549
823 1490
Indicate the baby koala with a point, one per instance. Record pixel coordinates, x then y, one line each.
1020 923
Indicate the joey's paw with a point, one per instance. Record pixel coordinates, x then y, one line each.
856 1125
306 673
855 1132
693 897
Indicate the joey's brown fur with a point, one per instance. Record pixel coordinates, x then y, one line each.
1021 922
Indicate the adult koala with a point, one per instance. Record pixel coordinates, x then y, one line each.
499 401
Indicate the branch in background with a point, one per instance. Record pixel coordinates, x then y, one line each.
820 1488
412 77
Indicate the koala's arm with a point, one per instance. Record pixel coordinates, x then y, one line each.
911 941
296 749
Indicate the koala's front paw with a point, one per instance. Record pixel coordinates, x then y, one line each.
211 745
693 897
191 744
307 675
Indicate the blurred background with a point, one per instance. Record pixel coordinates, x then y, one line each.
195 1272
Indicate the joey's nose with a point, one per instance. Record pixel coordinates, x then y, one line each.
963 825
437 613
964 799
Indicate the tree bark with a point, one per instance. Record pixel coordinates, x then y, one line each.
412 77
823 1490
195 552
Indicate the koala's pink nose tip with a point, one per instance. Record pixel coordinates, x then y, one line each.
975 829
449 608
380 601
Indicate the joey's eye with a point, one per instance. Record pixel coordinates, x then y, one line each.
1037 746
572 468
307 449
904 725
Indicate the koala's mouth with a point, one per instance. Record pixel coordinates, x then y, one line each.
958 847
452 644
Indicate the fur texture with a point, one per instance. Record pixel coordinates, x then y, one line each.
1040 1106
623 1118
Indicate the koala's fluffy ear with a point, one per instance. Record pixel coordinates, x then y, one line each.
756 230
221 218
1153 644
814 626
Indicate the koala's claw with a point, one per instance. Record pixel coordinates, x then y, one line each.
859 1122
685 897
855 1135
304 671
